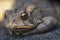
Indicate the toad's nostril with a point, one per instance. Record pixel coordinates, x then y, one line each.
13 20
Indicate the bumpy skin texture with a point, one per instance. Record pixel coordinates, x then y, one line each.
43 11
51 35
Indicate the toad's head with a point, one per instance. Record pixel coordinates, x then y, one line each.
18 19
21 21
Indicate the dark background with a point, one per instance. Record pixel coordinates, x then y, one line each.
51 35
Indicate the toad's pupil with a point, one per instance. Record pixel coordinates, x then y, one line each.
24 16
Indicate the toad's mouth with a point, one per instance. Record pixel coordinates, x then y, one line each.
19 29
23 27
19 26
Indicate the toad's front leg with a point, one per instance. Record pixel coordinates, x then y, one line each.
48 24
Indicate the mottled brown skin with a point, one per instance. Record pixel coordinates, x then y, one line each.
24 20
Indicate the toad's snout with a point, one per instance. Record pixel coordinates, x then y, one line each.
18 23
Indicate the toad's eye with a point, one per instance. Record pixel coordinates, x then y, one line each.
24 16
